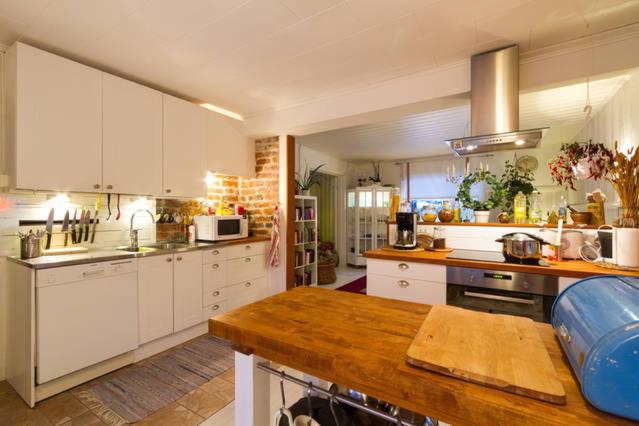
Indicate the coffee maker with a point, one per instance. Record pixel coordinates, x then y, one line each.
406 231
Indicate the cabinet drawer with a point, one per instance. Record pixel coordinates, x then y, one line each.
418 271
214 275
247 292
407 289
211 297
244 250
215 309
214 255
245 268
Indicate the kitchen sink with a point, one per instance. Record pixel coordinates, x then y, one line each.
168 246
143 249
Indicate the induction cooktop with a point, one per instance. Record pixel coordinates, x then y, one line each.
491 256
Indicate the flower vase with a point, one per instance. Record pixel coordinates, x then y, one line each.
629 217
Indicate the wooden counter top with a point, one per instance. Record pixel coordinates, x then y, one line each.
504 225
566 268
361 342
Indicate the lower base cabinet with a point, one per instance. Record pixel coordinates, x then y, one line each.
155 295
406 289
187 290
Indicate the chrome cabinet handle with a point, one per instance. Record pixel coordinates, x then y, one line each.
179 258
563 332
248 259
93 273
499 298
215 307
402 266
168 191
247 247
403 283
109 186
96 186
215 266
215 252
247 284
168 259
216 293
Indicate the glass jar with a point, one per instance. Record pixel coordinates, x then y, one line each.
439 238
429 214
446 215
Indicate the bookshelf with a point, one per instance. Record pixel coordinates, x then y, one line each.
305 240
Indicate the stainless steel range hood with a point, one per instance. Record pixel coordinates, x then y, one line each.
494 106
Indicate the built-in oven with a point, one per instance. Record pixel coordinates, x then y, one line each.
502 292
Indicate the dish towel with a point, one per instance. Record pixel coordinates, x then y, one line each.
274 251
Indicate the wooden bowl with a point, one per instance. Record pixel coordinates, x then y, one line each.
581 218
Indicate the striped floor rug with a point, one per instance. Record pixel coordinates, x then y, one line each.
134 392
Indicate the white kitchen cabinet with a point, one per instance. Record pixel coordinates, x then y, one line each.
184 142
408 281
187 290
228 150
132 137
407 289
54 121
155 296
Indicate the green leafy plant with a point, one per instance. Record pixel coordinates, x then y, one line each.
309 178
496 196
514 180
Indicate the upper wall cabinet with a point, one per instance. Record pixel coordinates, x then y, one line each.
228 150
54 121
132 137
184 148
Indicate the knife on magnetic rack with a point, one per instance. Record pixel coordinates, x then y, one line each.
65 227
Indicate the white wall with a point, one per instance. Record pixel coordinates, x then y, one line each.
312 158
617 121
389 171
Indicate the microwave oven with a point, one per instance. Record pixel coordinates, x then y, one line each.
220 228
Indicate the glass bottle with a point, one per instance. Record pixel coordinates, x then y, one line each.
520 208
456 211
534 213
563 208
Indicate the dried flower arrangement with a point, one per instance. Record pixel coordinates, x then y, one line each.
623 174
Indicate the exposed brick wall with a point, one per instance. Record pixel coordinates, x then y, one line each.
259 195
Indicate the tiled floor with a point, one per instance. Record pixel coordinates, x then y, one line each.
65 409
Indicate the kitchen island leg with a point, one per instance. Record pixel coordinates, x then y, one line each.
252 397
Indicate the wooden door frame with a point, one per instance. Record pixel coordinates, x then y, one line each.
290 212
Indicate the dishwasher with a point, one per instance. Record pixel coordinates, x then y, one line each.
84 314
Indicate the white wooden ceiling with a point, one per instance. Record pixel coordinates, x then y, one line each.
253 56
423 135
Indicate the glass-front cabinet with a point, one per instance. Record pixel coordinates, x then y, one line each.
367 214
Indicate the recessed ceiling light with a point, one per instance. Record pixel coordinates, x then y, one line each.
223 111
520 142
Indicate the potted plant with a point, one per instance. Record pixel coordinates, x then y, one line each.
515 180
579 161
306 181
376 179
481 208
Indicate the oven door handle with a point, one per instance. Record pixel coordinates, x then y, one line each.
499 298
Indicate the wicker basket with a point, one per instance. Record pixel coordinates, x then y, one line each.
326 273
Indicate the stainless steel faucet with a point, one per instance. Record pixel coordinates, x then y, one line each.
133 233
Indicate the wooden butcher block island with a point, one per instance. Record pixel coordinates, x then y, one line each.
361 342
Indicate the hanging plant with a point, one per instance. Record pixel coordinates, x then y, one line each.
376 178
496 196
579 161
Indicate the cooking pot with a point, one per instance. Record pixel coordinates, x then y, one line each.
519 246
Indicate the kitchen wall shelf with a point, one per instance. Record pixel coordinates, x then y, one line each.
305 240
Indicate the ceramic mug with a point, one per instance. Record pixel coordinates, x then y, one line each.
281 414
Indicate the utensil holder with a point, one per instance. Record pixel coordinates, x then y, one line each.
30 247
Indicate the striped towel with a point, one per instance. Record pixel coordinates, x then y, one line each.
274 250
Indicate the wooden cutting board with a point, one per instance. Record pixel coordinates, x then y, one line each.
500 351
